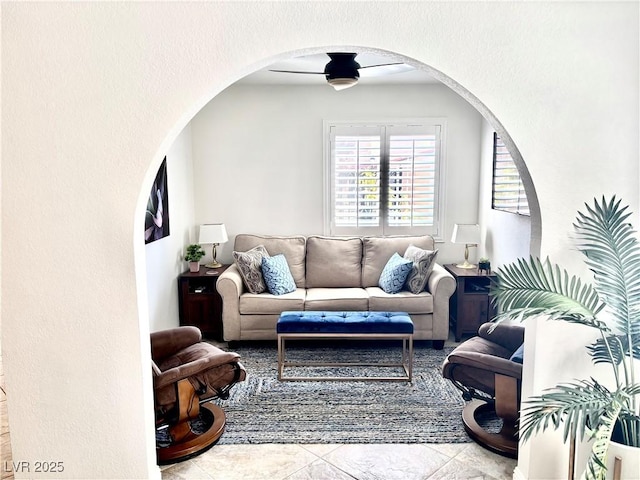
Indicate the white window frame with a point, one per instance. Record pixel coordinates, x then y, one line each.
394 126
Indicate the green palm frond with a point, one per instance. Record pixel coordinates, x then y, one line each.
613 349
532 288
612 251
567 404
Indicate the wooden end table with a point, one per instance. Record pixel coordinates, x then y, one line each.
470 305
200 303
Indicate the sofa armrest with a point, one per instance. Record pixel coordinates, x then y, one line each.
230 286
441 284
490 363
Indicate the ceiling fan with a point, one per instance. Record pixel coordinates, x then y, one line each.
343 71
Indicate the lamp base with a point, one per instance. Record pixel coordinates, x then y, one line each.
214 264
466 265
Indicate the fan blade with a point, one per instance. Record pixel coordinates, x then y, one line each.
294 71
387 69
383 65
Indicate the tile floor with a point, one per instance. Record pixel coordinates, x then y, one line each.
344 462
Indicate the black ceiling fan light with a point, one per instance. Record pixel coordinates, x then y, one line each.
342 71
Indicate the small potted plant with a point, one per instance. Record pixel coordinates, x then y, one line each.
193 256
484 265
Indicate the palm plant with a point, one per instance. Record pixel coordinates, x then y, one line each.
529 288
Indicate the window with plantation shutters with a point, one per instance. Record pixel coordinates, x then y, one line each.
356 179
508 193
383 178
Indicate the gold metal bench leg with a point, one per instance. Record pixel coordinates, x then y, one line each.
280 356
406 362
411 358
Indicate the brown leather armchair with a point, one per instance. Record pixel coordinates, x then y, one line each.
490 381
187 374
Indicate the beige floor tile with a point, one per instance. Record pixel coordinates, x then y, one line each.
387 461
5 458
344 462
4 418
5 447
185 471
449 449
456 470
254 462
320 449
320 470
486 461
6 475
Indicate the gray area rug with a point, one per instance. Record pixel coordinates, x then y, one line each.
263 410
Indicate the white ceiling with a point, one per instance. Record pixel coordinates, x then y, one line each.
392 75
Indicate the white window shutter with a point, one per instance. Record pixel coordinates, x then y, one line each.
508 191
384 179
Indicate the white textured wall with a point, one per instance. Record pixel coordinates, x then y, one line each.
258 153
164 257
93 95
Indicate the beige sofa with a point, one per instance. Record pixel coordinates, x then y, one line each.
335 274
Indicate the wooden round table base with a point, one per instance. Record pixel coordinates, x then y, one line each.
193 444
504 443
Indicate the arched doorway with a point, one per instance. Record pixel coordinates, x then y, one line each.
444 79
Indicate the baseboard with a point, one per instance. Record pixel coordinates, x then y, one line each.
518 475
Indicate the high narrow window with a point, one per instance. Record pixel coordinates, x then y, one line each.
508 192
384 178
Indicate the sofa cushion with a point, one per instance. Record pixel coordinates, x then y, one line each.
250 268
423 261
292 247
336 299
380 301
344 322
266 303
394 274
333 262
377 251
277 275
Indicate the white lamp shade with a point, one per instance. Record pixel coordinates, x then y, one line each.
466 233
213 233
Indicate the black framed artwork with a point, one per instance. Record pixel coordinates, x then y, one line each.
156 219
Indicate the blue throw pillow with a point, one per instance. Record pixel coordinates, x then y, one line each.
518 355
277 275
395 274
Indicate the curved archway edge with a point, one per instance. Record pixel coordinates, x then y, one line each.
496 124
535 239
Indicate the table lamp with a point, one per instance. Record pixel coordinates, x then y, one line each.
469 234
214 233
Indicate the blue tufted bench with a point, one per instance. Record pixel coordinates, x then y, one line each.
293 325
